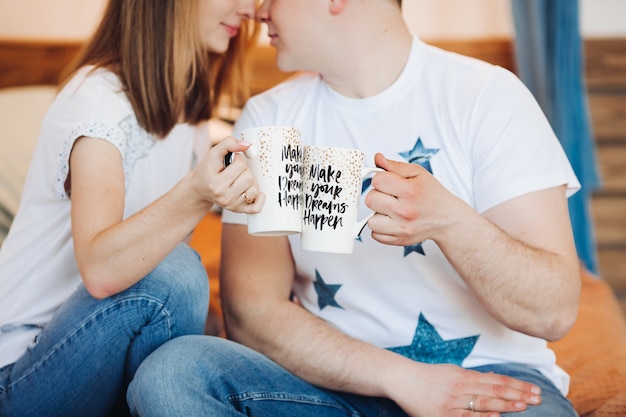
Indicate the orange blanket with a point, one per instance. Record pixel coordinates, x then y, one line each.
594 352
207 241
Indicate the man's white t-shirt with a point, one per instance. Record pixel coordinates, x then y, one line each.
37 266
481 133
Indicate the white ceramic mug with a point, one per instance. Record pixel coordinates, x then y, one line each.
332 179
275 159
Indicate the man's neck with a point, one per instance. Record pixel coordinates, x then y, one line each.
370 67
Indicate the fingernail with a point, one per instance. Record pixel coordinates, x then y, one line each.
534 399
244 143
536 390
519 405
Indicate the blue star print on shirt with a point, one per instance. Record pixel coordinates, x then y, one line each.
418 155
325 292
429 347
414 248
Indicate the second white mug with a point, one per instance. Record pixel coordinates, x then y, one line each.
332 179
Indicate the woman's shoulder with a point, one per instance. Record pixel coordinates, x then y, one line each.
91 79
92 91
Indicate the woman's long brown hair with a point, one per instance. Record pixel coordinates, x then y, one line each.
154 46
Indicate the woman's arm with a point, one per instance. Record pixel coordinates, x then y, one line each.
113 254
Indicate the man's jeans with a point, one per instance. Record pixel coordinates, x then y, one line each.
206 376
82 361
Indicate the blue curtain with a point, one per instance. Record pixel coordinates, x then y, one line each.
549 52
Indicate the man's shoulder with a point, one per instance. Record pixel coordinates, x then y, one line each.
450 64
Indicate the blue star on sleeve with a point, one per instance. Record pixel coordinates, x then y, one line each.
325 292
429 347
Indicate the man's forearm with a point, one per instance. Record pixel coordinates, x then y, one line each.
310 348
529 289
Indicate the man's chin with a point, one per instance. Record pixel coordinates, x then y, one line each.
285 63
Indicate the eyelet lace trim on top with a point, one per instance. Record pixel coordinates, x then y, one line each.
130 139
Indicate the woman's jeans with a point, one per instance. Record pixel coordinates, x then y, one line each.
207 376
82 361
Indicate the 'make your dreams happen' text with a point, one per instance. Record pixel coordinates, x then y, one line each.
323 206
290 181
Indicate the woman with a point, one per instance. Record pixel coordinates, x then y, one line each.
94 274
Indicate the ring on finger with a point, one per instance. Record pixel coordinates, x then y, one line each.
247 199
472 403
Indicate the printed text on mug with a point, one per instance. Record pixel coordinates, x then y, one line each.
319 211
289 187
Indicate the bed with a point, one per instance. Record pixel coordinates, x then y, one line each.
594 352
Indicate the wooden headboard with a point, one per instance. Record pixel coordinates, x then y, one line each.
27 62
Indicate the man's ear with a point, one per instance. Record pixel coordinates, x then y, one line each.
337 6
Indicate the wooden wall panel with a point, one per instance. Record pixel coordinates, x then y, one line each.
34 62
605 63
24 62
612 166
610 220
605 68
608 115
612 267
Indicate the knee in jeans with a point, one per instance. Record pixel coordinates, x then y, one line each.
182 272
171 374
182 358
181 281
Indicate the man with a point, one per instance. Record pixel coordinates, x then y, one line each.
470 267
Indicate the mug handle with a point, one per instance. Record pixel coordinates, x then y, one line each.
249 153
360 225
228 159
358 228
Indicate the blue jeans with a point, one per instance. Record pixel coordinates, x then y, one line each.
207 376
82 361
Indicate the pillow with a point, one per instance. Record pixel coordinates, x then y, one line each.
21 112
594 352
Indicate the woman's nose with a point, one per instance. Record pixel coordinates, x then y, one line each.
263 12
247 8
